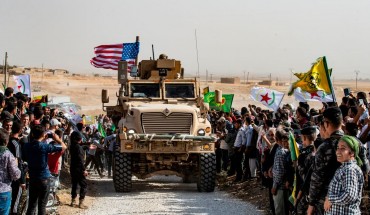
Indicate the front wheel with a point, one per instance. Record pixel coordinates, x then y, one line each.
122 175
207 172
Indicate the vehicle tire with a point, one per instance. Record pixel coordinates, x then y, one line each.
122 175
207 172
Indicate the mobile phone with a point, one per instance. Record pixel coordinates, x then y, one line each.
361 101
50 135
346 91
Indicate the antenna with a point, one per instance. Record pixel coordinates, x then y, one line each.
196 47
153 52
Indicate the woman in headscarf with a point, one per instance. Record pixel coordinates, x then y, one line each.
345 189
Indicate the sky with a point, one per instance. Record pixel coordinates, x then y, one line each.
259 37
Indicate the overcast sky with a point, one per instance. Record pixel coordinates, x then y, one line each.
256 36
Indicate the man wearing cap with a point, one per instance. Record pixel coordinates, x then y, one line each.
304 167
326 162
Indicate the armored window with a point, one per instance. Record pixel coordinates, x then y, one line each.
182 90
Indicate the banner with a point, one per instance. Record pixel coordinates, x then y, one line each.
22 84
225 105
269 98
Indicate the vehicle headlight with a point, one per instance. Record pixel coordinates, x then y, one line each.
208 129
131 131
201 132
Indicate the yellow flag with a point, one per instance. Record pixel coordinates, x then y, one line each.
316 79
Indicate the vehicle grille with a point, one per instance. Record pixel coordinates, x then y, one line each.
175 123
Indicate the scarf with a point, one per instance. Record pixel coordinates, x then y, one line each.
354 145
3 149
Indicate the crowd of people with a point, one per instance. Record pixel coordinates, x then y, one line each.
313 161
36 142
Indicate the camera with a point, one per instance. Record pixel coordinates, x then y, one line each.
50 135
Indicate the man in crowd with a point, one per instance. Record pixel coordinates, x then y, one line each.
304 167
239 147
325 163
8 172
37 157
109 143
77 169
15 148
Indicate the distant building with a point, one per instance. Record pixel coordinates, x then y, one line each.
266 83
230 80
59 71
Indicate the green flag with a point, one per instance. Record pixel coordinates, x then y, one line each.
101 130
225 105
113 127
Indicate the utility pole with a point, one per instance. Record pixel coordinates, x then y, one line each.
206 76
42 70
5 68
291 72
270 80
357 72
244 77
247 78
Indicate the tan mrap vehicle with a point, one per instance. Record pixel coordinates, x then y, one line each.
163 127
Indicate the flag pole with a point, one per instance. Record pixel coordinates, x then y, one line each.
138 40
329 80
281 101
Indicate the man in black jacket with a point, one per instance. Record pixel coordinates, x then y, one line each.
325 163
77 169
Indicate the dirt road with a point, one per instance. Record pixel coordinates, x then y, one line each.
163 195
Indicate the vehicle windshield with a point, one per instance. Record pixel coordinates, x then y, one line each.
145 90
180 90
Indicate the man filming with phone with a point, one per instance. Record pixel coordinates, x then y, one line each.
36 154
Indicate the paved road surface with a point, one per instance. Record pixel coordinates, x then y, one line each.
164 195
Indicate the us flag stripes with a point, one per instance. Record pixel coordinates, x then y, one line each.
107 56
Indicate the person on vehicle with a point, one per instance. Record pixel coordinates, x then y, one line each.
9 172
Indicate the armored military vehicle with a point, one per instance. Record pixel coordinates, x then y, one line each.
163 126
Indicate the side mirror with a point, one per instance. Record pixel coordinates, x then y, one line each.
218 96
104 96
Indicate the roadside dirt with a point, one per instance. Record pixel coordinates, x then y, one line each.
65 194
253 192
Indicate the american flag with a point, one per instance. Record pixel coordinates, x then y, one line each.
107 56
